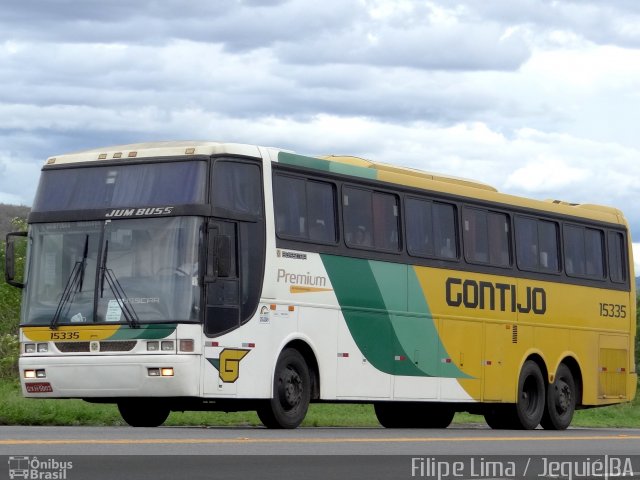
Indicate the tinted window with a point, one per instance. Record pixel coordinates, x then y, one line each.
358 217
486 237
237 188
321 212
385 221
290 206
617 270
583 251
304 209
371 219
431 229
594 241
536 245
149 184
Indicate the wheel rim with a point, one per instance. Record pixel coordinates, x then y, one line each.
563 397
290 389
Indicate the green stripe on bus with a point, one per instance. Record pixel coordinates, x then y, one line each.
326 165
388 317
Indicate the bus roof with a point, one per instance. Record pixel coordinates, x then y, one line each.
362 162
458 186
384 172
463 182
155 149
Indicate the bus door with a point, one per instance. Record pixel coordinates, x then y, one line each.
234 268
222 301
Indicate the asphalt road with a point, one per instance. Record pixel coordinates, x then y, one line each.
193 452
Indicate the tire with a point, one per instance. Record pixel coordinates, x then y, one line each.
436 416
291 392
413 415
561 401
500 417
390 415
143 412
527 413
530 404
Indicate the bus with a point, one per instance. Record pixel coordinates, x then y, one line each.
214 276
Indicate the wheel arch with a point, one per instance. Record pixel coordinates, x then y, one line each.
574 367
537 358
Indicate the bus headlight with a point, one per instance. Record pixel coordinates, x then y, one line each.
153 346
43 347
168 346
29 348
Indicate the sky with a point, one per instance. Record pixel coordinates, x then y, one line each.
539 98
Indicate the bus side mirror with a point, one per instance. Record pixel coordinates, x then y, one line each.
15 253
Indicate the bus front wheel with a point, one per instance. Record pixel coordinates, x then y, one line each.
561 401
291 392
143 412
531 396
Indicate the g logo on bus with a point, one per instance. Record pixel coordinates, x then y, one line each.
228 365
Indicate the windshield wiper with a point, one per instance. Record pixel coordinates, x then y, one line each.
73 285
107 274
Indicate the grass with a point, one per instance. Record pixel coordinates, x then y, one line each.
16 410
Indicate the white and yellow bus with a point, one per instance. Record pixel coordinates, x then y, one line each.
215 276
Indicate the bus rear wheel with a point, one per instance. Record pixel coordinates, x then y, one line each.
413 415
291 392
527 413
143 412
561 401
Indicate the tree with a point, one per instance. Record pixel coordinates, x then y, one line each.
10 314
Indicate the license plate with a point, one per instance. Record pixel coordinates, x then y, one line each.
41 387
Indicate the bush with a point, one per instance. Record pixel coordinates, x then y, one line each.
9 317
9 353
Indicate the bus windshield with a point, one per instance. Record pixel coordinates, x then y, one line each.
86 272
148 184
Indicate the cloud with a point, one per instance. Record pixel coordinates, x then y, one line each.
546 175
537 97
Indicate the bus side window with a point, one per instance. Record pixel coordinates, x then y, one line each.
385 221
419 224
237 188
476 235
536 244
290 206
584 251
486 237
444 228
321 211
371 219
616 251
548 246
304 209
358 218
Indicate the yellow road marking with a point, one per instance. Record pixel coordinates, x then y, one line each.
245 440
